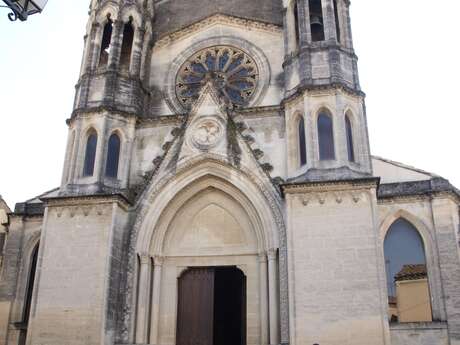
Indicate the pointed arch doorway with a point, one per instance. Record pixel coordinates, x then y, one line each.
211 307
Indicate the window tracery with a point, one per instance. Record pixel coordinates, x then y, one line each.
233 72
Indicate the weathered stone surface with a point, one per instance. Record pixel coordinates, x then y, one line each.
222 185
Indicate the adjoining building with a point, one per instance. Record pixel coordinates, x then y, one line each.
218 189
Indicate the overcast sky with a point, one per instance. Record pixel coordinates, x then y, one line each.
409 66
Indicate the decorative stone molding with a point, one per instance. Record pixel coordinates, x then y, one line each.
331 197
206 133
145 259
78 211
214 20
271 254
93 202
158 260
263 257
155 187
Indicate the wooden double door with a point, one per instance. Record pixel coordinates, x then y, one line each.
212 307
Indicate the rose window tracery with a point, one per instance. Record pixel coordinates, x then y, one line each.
233 73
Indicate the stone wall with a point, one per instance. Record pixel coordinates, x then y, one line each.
77 274
419 334
336 268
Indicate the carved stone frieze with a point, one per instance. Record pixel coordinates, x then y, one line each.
326 198
213 20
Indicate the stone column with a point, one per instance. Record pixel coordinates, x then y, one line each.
96 38
143 299
304 18
347 27
273 296
136 54
115 45
263 299
330 31
290 29
154 325
99 164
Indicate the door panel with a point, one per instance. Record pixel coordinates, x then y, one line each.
196 307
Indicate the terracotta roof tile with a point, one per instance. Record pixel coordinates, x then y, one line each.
411 272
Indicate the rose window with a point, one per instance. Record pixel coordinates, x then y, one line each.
233 73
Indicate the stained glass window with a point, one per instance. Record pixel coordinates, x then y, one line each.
90 156
325 137
113 156
233 72
350 146
302 143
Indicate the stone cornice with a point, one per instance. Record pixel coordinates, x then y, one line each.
300 91
329 186
428 196
268 111
165 39
316 47
99 109
417 190
160 120
86 200
103 111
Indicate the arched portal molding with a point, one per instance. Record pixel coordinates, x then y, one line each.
419 225
165 185
258 199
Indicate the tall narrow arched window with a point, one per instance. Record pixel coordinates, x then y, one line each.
29 295
90 155
326 137
106 43
316 20
302 142
296 24
113 156
407 277
127 44
337 21
349 133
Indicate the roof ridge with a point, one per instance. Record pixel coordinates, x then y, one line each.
39 196
405 166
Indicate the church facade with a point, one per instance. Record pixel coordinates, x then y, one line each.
218 188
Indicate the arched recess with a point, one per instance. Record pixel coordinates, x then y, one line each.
299 131
350 137
89 162
249 203
326 135
218 175
114 146
432 261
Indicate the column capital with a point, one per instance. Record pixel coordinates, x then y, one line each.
145 258
158 260
271 253
262 257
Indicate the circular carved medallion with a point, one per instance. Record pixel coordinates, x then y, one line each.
206 133
233 73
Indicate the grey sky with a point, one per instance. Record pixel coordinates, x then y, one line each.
409 68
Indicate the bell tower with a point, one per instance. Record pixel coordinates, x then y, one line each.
324 104
110 94
330 194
